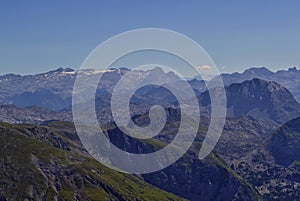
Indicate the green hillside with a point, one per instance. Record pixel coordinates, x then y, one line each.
38 163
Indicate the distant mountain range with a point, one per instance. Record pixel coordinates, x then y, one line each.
260 99
53 89
38 89
57 85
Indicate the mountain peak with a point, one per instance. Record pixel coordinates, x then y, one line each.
262 71
292 69
262 100
288 78
60 70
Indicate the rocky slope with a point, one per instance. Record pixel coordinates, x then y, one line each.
264 163
284 143
189 177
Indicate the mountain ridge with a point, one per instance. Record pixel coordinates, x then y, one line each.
289 78
258 98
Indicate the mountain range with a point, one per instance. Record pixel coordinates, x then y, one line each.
256 157
57 85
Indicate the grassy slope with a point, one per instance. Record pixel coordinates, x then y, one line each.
35 170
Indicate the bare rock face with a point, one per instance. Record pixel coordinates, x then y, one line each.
264 100
290 78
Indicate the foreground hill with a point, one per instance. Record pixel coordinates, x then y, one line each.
52 156
48 163
243 167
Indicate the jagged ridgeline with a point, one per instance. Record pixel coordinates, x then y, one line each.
53 89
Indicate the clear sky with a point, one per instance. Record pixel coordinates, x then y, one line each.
37 36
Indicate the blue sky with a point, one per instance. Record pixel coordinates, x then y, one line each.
37 36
